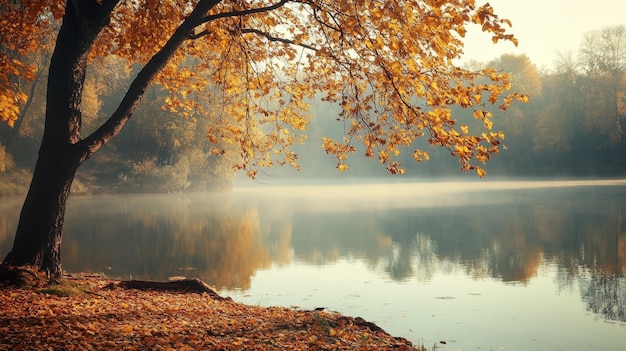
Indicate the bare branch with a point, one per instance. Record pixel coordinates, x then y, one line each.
244 12
268 36
194 36
336 28
277 39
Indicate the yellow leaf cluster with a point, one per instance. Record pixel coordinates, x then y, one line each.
10 102
389 65
23 25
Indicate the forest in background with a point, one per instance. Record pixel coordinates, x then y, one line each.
571 127
163 149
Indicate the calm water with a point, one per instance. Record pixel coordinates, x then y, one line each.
480 265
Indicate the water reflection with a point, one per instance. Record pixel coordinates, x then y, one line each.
157 237
605 294
404 231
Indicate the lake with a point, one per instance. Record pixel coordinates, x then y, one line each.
524 265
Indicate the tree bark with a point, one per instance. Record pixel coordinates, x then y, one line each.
38 236
39 232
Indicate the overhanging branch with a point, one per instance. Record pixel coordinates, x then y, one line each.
135 92
268 36
276 39
246 12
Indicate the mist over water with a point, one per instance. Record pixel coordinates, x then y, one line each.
334 195
512 265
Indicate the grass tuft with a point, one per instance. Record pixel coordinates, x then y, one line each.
63 288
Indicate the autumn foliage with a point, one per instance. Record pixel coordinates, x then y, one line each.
120 319
390 65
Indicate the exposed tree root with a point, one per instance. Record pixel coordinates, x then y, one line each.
22 277
188 285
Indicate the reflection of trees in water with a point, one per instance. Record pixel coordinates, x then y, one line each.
414 257
452 237
400 262
155 237
509 241
488 241
578 233
321 238
605 294
225 242
384 240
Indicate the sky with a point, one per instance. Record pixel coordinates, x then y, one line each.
544 27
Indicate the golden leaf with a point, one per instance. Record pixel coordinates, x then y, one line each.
481 172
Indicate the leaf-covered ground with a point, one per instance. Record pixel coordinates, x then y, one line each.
125 319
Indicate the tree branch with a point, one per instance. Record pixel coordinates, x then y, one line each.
276 39
268 36
135 92
194 36
245 12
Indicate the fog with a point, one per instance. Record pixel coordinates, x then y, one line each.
368 194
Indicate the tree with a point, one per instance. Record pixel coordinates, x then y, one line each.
519 121
389 64
603 60
167 152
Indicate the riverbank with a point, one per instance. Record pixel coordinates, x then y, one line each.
98 315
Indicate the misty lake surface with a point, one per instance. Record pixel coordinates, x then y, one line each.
500 265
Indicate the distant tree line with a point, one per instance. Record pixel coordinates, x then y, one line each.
161 150
575 125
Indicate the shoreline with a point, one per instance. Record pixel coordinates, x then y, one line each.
108 316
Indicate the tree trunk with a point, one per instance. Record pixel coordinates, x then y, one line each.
38 236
